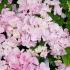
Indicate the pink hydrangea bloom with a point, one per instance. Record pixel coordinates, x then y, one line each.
22 61
68 68
30 29
2 38
27 25
33 5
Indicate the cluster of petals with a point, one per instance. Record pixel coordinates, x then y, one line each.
29 29
21 60
26 26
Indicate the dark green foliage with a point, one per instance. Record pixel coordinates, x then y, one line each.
41 59
14 1
67 50
66 58
51 62
57 19
64 4
65 23
5 2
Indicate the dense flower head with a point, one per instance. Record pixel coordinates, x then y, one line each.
32 28
21 60
26 26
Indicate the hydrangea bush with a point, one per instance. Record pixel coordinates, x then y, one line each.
34 34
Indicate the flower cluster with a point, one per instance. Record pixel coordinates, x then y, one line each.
27 25
21 60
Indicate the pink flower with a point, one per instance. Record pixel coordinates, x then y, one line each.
1 29
10 1
68 68
2 38
34 6
43 66
23 61
57 10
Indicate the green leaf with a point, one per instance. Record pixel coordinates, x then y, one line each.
64 4
41 59
68 3
68 14
51 62
51 58
67 50
57 19
68 24
1 6
66 59
4 2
